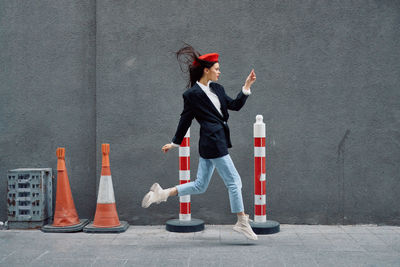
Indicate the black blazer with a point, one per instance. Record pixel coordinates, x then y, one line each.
214 131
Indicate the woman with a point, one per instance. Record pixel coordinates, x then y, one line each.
206 101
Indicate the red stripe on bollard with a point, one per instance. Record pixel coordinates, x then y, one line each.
259 169
259 165
259 141
185 142
184 163
259 188
184 208
260 209
184 181
263 165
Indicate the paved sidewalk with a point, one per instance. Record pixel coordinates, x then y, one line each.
218 245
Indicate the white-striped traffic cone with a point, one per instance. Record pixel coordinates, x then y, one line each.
106 217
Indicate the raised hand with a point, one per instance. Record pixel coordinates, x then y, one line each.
250 80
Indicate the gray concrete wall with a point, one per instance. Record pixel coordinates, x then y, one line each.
327 85
47 85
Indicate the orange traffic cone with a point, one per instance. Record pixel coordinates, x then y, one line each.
65 215
106 216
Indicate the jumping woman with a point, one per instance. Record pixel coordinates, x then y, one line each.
206 101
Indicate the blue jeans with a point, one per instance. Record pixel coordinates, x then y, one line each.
226 170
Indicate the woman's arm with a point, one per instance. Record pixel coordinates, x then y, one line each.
237 103
185 121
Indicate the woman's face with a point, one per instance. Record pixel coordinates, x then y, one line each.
213 72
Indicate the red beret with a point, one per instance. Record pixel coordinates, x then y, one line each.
211 57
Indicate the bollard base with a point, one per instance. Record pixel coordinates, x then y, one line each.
176 225
65 229
265 228
117 229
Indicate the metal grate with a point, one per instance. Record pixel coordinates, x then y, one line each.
29 197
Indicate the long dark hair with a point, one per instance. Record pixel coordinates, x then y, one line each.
186 56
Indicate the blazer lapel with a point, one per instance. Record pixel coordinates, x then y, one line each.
206 100
221 100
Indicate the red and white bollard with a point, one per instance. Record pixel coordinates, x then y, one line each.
259 171
184 177
260 224
185 223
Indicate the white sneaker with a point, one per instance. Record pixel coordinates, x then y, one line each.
155 195
243 226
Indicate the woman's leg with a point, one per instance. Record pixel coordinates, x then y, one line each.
173 191
232 181
200 185
231 178
158 195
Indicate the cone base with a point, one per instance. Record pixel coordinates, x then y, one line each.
106 216
265 228
118 229
66 221
176 225
49 228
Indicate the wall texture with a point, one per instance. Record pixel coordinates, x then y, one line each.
84 73
48 89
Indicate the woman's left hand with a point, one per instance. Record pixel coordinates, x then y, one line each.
250 80
167 147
